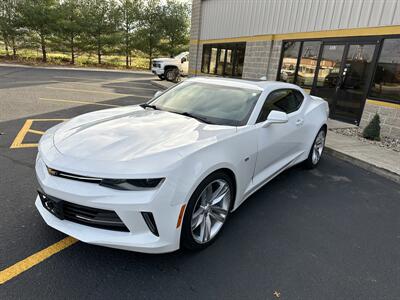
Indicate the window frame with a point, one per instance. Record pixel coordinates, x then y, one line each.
277 90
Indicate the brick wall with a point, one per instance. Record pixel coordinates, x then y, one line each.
390 118
195 49
262 59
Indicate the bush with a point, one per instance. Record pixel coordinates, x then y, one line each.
373 129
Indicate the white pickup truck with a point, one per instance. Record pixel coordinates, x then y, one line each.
171 68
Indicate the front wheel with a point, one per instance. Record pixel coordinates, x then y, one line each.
316 150
172 75
207 211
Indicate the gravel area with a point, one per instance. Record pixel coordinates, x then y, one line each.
385 142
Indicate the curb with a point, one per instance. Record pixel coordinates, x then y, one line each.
364 165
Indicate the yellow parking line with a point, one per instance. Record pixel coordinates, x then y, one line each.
79 102
35 259
18 141
36 131
21 134
96 92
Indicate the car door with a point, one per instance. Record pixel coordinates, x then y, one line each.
279 144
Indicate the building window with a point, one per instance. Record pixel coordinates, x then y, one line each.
308 64
223 59
386 83
289 61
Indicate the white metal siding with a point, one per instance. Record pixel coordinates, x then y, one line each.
235 18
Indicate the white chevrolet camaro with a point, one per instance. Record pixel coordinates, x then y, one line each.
166 174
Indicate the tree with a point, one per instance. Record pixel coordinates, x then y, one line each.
150 31
373 130
175 25
69 25
38 16
129 10
9 24
100 20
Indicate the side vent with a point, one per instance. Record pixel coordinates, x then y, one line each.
151 223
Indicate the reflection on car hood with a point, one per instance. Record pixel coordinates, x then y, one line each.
130 133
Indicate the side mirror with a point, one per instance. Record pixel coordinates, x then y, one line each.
275 117
183 60
158 93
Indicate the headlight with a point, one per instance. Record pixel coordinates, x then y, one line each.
117 184
131 184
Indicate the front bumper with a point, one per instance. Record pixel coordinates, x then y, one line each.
157 71
128 205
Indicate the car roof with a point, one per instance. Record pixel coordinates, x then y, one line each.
260 85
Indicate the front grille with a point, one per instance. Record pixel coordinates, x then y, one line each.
94 217
155 65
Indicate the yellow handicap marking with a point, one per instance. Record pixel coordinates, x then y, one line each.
18 141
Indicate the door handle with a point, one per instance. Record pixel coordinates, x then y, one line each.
299 122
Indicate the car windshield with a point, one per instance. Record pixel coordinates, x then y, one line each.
210 103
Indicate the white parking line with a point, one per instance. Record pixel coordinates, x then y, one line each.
95 92
79 102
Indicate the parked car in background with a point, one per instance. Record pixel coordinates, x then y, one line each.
171 68
167 174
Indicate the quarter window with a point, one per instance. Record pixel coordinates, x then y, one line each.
285 100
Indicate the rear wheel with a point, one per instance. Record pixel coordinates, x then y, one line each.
207 211
316 150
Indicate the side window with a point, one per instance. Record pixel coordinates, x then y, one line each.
285 100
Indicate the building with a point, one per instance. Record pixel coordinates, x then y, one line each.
345 51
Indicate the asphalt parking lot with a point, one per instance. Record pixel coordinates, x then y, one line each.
330 233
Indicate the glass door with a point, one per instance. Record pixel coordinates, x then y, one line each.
328 73
343 76
355 79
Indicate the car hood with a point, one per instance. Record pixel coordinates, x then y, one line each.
133 133
166 60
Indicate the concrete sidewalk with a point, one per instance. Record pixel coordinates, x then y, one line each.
371 157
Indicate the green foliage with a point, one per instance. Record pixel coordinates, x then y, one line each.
175 24
9 24
150 32
68 27
38 16
83 28
373 130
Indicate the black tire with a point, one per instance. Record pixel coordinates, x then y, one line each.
162 77
172 74
187 240
310 163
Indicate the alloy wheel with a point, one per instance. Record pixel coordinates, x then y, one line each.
318 147
210 211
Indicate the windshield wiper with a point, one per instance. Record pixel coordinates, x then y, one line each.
145 105
201 119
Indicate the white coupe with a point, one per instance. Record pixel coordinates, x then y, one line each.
166 174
